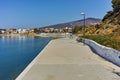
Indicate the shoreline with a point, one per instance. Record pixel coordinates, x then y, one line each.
17 35
54 35
24 72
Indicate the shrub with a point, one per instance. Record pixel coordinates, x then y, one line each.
109 13
116 4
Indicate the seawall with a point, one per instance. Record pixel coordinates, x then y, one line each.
108 53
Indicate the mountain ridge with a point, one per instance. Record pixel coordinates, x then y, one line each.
89 21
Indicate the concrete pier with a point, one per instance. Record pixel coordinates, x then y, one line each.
66 59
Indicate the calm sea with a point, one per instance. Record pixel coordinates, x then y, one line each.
17 53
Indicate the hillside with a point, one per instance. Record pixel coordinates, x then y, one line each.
107 32
111 22
89 21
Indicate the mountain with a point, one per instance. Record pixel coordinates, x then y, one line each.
88 21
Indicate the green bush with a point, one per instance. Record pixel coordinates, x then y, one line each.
76 29
116 4
109 13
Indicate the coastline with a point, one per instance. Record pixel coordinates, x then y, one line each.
20 76
54 35
17 35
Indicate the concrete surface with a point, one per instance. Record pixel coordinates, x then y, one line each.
66 59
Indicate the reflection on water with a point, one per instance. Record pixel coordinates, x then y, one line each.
17 52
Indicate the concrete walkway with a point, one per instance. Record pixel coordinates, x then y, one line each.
65 59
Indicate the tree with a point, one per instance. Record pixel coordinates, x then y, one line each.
36 30
116 4
109 13
77 28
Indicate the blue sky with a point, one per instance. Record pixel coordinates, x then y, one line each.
38 13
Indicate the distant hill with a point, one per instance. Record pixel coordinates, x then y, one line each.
89 21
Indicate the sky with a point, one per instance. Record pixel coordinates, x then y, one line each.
40 13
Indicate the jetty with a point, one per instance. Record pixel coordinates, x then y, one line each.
67 59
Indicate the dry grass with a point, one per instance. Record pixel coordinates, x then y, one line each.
106 40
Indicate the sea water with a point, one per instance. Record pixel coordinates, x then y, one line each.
16 53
